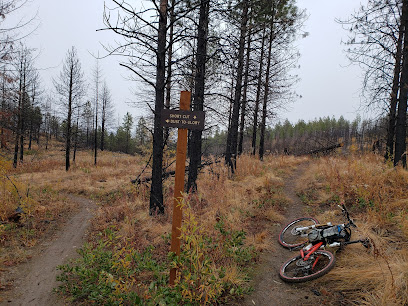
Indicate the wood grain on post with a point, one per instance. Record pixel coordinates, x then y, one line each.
181 154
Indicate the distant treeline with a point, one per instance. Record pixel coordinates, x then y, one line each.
128 137
306 137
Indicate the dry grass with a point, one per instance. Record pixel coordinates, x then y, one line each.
377 196
251 201
39 186
43 209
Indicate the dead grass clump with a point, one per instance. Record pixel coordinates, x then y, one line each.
112 171
41 210
364 183
248 165
376 195
371 279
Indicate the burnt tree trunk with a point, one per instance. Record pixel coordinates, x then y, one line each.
22 129
18 125
103 134
389 147
69 116
156 191
103 119
231 89
401 126
23 112
244 97
76 138
266 94
231 152
169 63
3 109
30 136
96 130
258 94
198 99
31 127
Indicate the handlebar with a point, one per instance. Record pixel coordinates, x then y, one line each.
365 242
346 214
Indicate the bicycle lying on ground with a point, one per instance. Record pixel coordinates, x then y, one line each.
312 238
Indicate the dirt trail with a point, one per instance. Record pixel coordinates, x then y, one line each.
269 288
36 279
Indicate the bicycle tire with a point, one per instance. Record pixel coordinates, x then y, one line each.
286 236
292 270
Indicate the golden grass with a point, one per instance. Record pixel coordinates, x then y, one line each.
365 183
252 200
377 196
39 186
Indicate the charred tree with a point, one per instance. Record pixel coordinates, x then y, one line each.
266 93
258 93
198 98
18 123
76 137
389 147
401 127
232 139
70 86
244 95
106 113
97 80
156 191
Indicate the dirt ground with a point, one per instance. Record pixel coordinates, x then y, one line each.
35 280
269 289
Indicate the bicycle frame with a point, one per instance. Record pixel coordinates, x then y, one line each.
305 228
314 260
305 254
311 251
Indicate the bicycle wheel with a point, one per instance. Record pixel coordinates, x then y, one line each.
290 238
297 270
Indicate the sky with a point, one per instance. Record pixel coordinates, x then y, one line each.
329 86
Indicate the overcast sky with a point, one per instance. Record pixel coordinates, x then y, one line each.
328 86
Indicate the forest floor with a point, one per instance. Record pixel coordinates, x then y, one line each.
259 201
269 289
35 280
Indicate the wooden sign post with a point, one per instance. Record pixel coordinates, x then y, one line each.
183 120
181 154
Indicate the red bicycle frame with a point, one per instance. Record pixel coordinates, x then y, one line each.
311 251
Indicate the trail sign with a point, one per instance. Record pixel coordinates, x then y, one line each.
181 154
183 119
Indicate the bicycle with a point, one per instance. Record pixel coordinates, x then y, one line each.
312 238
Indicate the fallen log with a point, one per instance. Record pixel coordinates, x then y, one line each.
171 173
326 149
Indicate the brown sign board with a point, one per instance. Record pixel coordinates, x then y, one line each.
192 120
